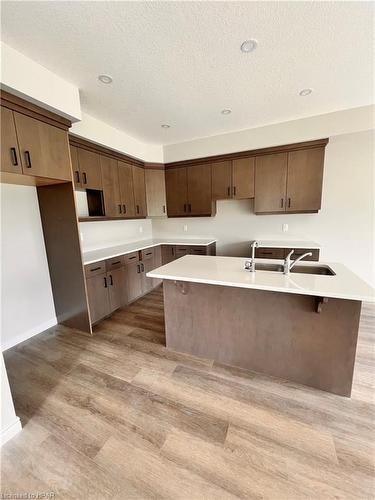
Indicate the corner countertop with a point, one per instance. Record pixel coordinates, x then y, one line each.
92 256
229 271
288 244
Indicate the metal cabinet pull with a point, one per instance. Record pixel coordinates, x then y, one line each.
282 203
143 267
105 282
173 251
28 159
228 190
234 190
77 176
117 262
124 208
184 207
110 280
13 154
189 207
137 209
138 268
95 269
288 202
84 177
163 209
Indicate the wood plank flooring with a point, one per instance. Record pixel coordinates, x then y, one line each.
117 416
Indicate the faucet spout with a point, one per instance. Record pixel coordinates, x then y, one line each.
288 264
250 264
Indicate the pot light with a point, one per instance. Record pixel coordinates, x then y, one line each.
226 111
165 125
105 79
305 92
249 45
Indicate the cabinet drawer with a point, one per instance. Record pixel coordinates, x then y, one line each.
269 253
114 263
95 268
301 251
182 250
148 253
131 257
196 250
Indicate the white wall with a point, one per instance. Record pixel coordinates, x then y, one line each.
26 303
101 133
10 423
305 129
344 227
24 77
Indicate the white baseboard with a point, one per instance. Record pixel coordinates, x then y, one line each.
10 431
28 334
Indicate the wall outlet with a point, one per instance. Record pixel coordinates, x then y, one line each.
141 229
285 228
185 228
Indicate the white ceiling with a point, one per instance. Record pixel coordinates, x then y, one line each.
180 62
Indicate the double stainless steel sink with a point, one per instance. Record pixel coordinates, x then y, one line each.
319 270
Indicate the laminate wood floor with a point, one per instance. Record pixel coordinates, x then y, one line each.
117 416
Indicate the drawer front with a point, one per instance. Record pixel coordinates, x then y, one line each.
182 250
196 250
146 254
269 253
95 268
114 263
300 251
129 258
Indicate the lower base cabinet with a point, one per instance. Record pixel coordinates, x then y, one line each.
106 293
133 280
281 253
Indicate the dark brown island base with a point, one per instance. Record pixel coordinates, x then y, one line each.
304 338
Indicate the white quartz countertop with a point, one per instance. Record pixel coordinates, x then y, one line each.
92 256
228 271
288 244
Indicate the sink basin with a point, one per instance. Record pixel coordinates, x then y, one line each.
320 270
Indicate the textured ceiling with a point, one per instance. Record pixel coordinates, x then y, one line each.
179 62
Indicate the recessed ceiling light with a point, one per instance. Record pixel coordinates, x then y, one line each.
105 79
305 92
226 111
249 45
165 126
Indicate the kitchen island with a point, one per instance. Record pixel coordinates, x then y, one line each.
302 327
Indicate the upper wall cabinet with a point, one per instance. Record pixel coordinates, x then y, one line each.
10 153
139 191
89 169
41 150
125 174
111 187
233 179
176 191
289 182
155 192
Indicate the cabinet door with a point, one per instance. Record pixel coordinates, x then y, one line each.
10 154
75 167
270 183
155 193
243 178
133 280
176 191
182 250
89 166
305 179
139 191
111 188
44 149
199 189
98 297
125 175
147 283
116 288
168 253
221 180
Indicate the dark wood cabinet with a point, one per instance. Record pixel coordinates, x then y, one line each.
133 280
305 179
221 180
281 253
199 189
90 171
10 153
125 175
243 178
176 191
116 288
270 183
98 297
75 167
111 187
168 254
44 149
139 191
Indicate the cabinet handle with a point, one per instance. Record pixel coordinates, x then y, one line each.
138 268
77 176
110 280
173 251
228 190
13 154
184 207
124 208
189 207
137 209
163 209
143 267
117 262
95 269
105 282
133 257
84 177
282 203
288 202
119 208
28 159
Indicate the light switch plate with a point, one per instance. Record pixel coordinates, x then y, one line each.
141 229
185 228
285 228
